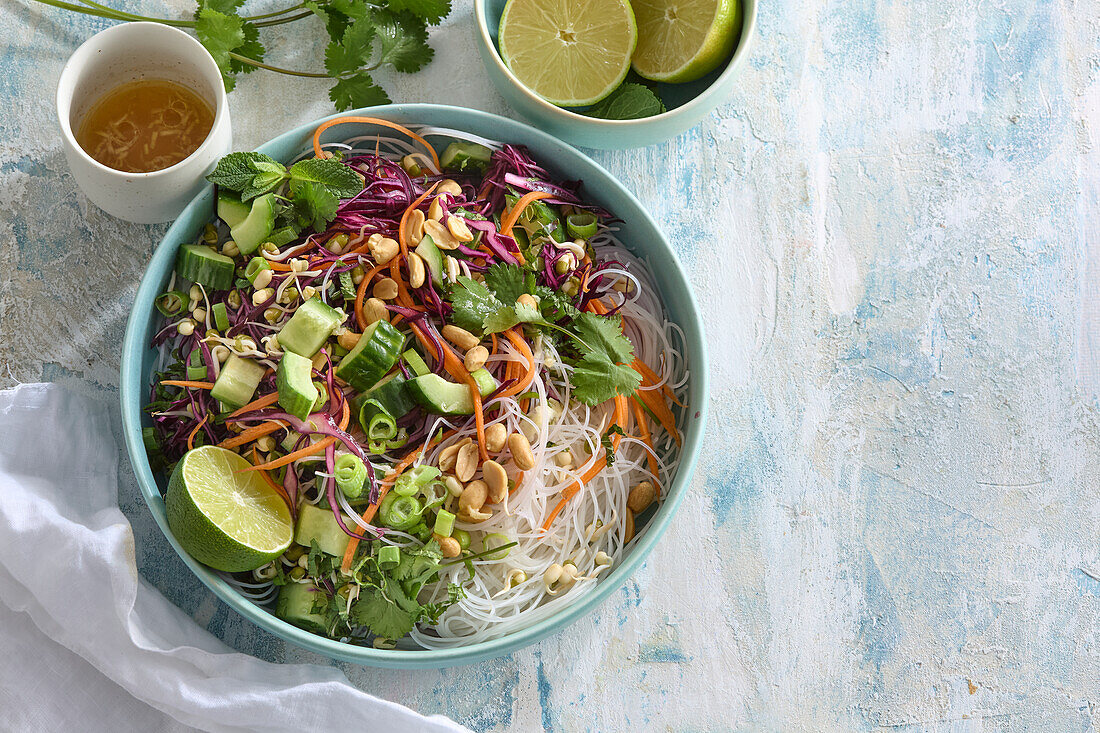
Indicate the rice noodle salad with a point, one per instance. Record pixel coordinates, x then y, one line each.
461 389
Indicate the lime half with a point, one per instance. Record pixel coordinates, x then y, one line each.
227 520
569 52
682 40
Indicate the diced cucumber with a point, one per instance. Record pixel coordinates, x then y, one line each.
391 394
257 226
458 156
231 209
196 366
317 524
309 327
416 362
373 356
295 606
294 381
283 236
201 264
440 397
238 381
433 258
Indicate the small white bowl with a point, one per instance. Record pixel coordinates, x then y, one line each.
124 53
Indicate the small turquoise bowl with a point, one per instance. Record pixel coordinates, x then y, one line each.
687 103
638 231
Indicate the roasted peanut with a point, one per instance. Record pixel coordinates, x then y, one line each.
466 462
496 478
476 358
460 337
495 437
521 451
641 496
348 339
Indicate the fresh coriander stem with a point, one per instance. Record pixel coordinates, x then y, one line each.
81 9
121 14
276 14
291 72
280 21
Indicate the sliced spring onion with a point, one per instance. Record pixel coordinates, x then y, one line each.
221 316
496 546
581 226
172 302
389 556
255 266
399 512
351 475
444 523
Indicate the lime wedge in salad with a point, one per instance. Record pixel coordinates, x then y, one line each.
569 52
682 40
230 521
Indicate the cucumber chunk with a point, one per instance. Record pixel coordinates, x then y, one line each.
459 156
433 258
316 524
391 394
231 209
309 327
257 226
237 382
201 264
440 397
295 605
294 381
373 356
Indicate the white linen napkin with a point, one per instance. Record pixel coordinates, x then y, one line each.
67 564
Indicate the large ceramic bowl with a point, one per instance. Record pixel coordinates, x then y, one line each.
687 103
639 232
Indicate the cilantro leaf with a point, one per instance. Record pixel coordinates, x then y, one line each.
604 334
314 205
251 48
350 52
432 11
358 90
510 315
220 34
249 173
402 40
597 379
339 179
508 282
472 303
383 617
227 7
628 102
357 9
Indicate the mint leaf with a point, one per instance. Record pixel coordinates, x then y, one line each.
402 40
383 617
352 51
248 173
629 102
604 334
313 204
431 11
358 90
472 303
340 180
220 33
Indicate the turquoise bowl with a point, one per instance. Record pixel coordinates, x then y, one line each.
687 103
639 232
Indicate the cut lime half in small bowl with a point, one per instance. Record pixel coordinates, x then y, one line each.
683 40
571 53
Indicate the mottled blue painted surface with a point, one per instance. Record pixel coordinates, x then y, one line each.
894 229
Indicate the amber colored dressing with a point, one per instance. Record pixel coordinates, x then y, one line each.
144 126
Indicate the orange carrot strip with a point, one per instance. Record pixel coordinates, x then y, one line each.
512 215
651 454
191 435
618 417
257 404
371 121
521 346
642 368
518 483
309 450
361 294
187 383
252 433
655 403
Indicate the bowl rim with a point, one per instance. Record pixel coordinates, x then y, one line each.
733 65
131 398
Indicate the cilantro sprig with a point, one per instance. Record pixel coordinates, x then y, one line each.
597 349
364 36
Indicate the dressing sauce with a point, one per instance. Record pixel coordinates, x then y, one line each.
146 125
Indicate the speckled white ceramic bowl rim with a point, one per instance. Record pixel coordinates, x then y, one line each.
748 33
134 392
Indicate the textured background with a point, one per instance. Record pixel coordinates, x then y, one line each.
894 230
